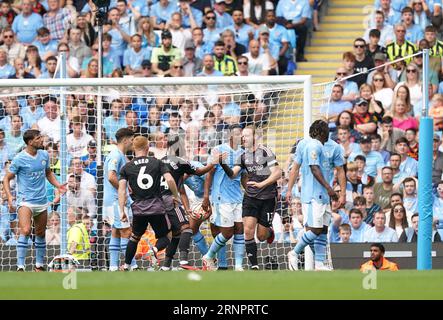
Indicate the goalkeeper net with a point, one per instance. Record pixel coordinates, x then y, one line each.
79 121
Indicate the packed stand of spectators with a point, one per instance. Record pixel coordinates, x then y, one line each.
160 38
374 113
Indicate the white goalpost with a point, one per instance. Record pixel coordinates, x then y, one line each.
283 107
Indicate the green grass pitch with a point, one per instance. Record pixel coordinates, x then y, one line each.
223 285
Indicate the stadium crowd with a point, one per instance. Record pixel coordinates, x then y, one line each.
374 116
374 113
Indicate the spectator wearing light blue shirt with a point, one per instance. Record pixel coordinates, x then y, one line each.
202 47
374 160
392 16
211 33
339 216
6 69
120 33
358 226
14 136
380 232
115 121
223 19
414 33
396 5
46 47
33 111
12 109
133 57
161 12
294 15
279 37
188 14
408 166
335 105
140 7
25 25
243 32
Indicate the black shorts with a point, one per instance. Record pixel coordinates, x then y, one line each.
178 218
160 224
263 210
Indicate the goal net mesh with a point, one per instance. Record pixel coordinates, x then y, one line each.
205 112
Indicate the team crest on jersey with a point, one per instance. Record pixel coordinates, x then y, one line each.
43 162
314 155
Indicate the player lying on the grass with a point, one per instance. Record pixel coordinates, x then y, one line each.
226 201
334 160
143 175
180 228
316 192
260 198
121 230
31 167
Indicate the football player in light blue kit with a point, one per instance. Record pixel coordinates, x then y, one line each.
31 167
197 185
121 231
315 193
226 200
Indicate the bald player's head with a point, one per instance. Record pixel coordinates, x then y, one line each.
140 145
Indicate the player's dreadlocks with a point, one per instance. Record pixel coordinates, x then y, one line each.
319 128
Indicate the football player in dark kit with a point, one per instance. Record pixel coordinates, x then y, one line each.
143 175
180 227
260 199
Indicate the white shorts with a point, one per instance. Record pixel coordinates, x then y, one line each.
316 215
112 215
36 209
225 214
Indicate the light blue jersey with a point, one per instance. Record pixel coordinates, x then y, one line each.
388 235
112 125
114 161
30 173
242 34
310 152
335 155
358 235
224 189
26 27
196 183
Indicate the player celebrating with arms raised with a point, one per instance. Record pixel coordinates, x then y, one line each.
31 166
315 192
260 197
143 174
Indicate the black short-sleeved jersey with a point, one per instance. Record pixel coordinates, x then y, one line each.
177 167
144 176
258 168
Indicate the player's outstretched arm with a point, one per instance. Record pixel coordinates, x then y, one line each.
172 186
316 172
207 188
231 173
122 197
53 180
6 187
293 177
